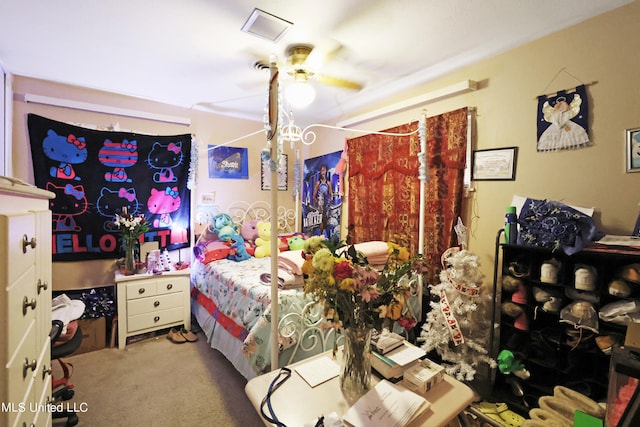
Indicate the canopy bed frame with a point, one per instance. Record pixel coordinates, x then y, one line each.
277 134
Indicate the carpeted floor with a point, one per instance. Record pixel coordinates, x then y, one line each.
158 383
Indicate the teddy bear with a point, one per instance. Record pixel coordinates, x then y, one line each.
263 242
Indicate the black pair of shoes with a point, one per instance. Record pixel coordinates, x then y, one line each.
181 336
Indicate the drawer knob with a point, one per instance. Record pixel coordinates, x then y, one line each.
42 285
26 242
46 371
156 303
33 365
26 304
170 286
156 319
141 291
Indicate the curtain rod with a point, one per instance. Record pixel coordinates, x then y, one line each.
454 89
104 109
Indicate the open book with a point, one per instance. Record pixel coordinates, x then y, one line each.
386 405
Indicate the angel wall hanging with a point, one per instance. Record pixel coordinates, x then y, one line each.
562 120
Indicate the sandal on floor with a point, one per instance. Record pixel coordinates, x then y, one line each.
500 413
175 336
188 335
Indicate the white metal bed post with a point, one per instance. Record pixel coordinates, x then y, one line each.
274 124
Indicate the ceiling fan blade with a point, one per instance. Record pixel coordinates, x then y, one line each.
336 81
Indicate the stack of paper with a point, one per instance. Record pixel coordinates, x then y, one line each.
393 364
386 405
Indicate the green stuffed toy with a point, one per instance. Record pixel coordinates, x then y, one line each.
296 243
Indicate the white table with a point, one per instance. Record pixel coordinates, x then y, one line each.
296 403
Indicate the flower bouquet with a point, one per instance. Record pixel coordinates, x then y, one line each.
131 227
358 298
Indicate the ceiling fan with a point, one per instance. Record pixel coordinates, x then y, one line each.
302 62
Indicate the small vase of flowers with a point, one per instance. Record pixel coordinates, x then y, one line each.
131 227
358 298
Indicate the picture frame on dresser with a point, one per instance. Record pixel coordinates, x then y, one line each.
632 146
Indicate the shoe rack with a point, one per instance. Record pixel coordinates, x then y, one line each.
547 304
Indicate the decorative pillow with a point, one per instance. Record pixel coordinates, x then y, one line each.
205 252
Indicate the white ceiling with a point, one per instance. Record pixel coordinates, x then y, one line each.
192 53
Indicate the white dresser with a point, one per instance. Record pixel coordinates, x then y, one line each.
25 305
147 302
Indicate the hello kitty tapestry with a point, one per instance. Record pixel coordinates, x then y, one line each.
95 174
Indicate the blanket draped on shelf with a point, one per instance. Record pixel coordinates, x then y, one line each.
95 174
384 188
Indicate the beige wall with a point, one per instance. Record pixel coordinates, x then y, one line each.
603 49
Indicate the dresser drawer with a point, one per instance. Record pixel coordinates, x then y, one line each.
169 284
19 377
21 299
141 289
154 320
16 231
154 303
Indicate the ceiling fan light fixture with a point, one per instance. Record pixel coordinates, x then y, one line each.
300 94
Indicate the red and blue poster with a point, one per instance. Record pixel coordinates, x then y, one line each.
96 174
322 196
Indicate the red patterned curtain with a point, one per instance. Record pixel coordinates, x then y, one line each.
384 189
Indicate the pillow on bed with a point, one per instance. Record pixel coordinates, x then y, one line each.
205 252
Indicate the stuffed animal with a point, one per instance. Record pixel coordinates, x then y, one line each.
238 248
222 224
249 230
263 242
296 243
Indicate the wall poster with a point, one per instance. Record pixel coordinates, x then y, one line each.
322 196
228 162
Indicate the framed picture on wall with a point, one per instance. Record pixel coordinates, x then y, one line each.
228 162
265 174
633 150
494 164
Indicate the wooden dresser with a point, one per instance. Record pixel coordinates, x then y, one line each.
148 302
25 304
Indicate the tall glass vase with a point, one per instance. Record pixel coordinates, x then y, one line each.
129 259
355 377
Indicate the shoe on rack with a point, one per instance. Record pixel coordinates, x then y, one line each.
188 335
175 336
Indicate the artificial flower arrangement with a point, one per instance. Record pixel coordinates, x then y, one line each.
353 292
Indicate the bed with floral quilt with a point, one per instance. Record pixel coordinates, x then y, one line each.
231 298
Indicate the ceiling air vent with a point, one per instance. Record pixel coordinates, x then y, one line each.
265 25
